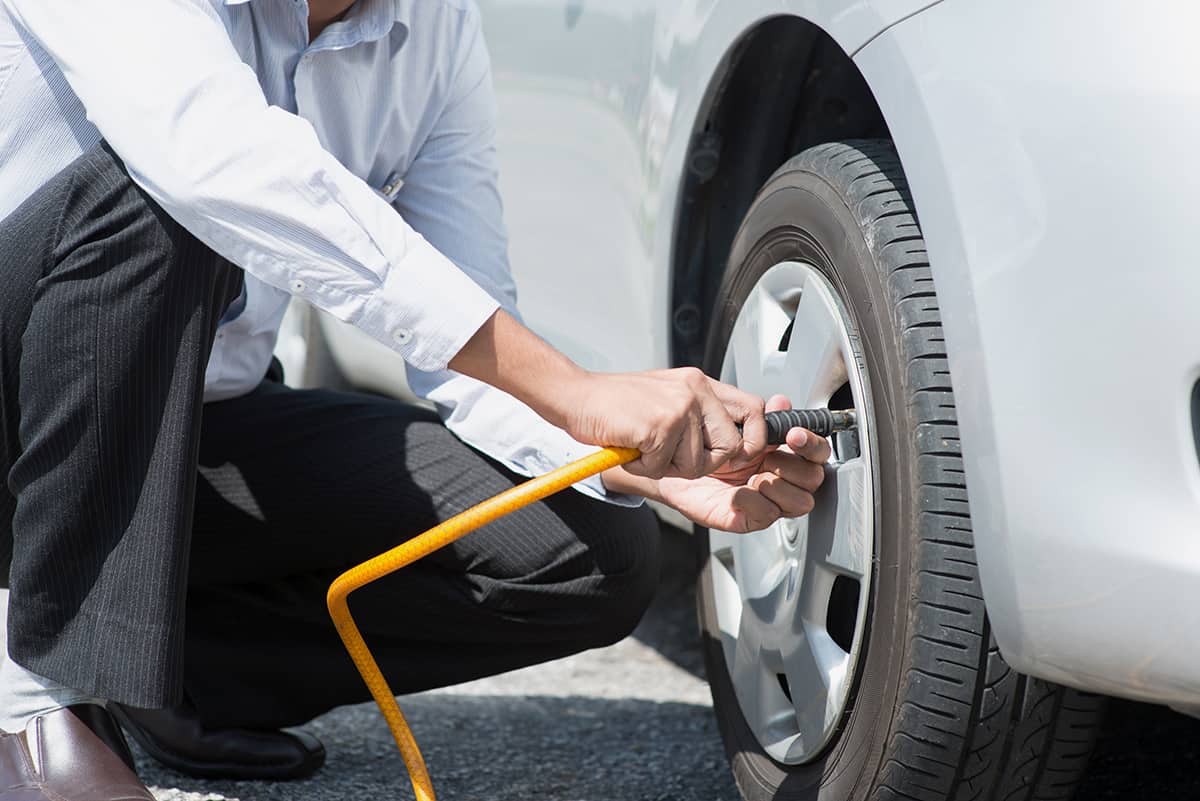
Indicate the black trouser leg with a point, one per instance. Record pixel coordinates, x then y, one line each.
108 310
296 486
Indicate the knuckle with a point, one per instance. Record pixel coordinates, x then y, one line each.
680 402
638 469
816 476
693 376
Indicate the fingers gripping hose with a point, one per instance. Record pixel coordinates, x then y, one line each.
820 421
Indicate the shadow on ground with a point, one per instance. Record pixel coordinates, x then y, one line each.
1146 753
508 748
670 626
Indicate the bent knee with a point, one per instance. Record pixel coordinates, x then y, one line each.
587 584
624 590
100 198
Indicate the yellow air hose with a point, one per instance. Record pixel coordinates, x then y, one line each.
438 537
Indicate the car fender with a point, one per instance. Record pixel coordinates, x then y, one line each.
1048 147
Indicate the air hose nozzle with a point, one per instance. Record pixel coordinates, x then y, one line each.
821 422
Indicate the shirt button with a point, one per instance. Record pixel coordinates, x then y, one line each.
402 336
298 286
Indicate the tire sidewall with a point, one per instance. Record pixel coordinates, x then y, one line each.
800 217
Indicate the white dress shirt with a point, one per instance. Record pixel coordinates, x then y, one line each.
291 159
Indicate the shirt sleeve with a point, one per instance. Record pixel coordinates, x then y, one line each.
164 86
451 194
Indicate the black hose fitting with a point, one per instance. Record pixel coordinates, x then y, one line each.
821 422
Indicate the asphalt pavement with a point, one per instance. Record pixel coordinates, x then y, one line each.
632 722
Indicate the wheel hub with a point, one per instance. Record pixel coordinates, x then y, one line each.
791 600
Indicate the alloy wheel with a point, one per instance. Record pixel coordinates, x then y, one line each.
791 600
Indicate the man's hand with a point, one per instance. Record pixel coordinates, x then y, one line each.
777 483
684 423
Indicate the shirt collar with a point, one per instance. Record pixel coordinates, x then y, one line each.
367 21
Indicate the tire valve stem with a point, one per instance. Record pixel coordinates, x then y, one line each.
822 422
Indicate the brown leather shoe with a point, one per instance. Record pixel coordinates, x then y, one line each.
178 739
72 754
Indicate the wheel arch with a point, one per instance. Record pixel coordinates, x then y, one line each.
783 86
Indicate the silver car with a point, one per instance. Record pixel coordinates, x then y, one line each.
975 222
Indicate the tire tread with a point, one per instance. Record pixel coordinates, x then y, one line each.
1021 739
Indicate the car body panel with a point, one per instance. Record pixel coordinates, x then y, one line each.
1055 184
598 102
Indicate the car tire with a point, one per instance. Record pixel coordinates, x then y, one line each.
934 712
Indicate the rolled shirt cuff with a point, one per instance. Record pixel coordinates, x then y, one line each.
427 308
505 429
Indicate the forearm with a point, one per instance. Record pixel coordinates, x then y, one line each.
510 357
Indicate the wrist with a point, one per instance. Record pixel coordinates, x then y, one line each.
620 481
512 358
558 391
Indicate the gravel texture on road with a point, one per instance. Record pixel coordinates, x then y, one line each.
632 722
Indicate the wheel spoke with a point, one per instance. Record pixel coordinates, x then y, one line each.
727 598
771 606
754 683
839 533
815 668
752 575
815 589
815 366
759 562
754 343
745 349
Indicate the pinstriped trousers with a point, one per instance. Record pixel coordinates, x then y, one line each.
160 548
108 310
